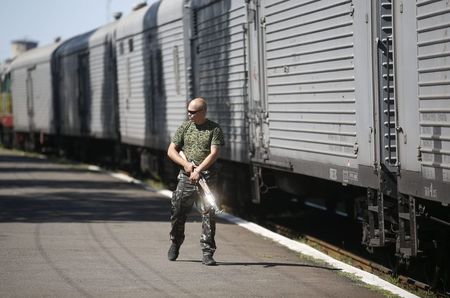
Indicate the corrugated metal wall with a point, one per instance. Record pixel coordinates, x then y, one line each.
69 96
311 80
43 99
406 76
433 50
19 91
32 105
74 85
171 104
103 107
130 69
219 55
151 75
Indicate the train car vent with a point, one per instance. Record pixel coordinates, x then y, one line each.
139 5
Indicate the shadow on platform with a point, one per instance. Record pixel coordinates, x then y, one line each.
264 264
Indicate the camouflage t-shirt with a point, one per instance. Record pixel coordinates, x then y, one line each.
196 140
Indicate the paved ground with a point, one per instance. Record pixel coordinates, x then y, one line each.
69 232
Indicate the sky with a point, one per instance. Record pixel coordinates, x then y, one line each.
44 20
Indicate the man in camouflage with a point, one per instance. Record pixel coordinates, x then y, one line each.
195 147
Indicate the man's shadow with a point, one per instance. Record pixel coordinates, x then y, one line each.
265 264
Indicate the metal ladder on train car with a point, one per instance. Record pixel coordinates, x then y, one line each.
381 205
391 217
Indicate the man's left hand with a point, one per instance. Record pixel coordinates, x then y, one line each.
195 176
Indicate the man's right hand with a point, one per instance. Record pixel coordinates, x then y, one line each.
188 167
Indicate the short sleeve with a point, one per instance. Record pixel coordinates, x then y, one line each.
178 137
217 137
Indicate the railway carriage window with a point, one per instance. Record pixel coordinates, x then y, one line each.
130 45
121 48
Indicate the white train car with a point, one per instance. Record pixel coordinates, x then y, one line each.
355 92
32 84
312 97
151 74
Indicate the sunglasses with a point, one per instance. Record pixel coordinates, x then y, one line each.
193 112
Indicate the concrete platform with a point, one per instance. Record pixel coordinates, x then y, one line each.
69 232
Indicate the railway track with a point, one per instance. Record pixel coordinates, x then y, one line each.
405 282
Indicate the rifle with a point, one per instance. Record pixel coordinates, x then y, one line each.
208 197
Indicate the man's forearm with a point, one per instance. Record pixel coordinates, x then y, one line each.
207 162
176 157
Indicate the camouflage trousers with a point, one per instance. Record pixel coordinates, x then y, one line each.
183 198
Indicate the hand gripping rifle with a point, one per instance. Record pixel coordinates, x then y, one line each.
208 197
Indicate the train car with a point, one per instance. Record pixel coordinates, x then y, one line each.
311 95
138 75
151 74
422 94
32 86
85 67
73 93
151 81
6 117
338 94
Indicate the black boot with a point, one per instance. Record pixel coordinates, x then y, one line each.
208 260
173 252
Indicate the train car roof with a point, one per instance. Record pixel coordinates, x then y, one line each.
137 21
157 14
103 34
75 44
201 3
35 56
169 10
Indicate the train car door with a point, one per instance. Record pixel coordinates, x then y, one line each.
257 116
317 95
30 97
155 86
257 104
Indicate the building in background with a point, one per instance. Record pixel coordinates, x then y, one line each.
20 46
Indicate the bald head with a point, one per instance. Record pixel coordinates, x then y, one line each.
197 110
198 103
